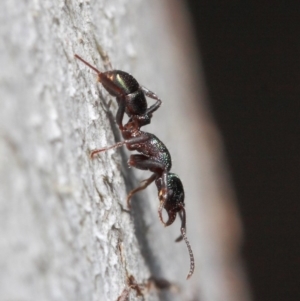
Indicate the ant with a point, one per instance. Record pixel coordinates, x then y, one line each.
156 158
129 93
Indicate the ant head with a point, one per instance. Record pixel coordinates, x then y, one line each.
174 200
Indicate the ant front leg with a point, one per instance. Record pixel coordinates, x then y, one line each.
163 198
145 184
154 107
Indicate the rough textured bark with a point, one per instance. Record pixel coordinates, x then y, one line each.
64 234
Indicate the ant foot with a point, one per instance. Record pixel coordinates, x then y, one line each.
163 195
163 198
128 200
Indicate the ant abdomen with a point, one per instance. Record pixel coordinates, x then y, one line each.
130 96
118 83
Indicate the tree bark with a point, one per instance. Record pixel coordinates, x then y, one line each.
64 232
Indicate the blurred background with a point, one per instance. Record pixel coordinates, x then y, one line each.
250 55
56 205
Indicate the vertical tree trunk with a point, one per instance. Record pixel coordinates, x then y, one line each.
64 233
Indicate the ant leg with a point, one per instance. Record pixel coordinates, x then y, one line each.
145 163
152 95
145 184
96 151
163 195
171 214
124 295
119 144
183 233
160 208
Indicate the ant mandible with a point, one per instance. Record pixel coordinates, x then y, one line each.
129 93
156 158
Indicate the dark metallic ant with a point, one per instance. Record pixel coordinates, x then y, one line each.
154 156
129 94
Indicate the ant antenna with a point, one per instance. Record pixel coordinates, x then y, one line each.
180 238
183 233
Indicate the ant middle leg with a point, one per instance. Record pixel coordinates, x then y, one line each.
158 168
104 149
152 95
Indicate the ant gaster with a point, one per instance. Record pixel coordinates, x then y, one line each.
154 156
129 93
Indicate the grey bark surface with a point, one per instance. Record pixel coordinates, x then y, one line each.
63 232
